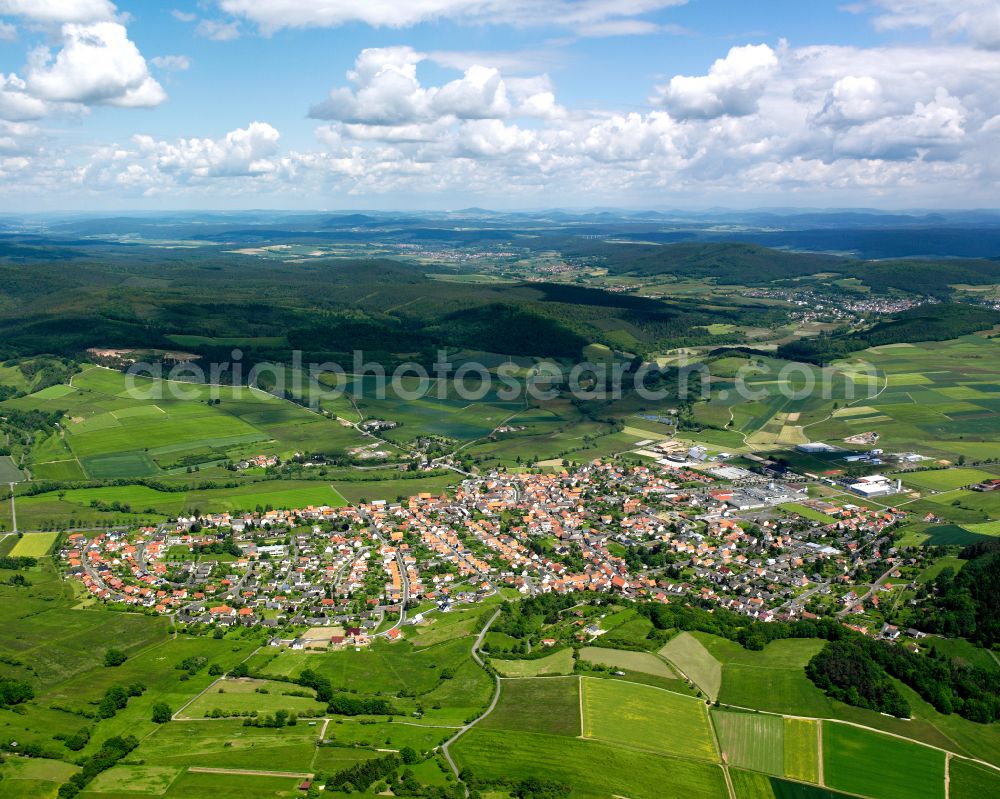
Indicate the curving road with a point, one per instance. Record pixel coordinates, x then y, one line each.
496 697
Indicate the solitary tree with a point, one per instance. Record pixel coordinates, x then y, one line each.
162 713
114 657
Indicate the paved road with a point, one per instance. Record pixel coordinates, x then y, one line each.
496 697
860 602
13 510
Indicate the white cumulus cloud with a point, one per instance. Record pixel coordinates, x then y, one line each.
97 65
172 63
242 152
58 11
978 21
732 86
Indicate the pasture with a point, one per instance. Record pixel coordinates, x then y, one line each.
946 479
644 717
695 662
867 763
9 472
560 662
135 779
244 695
226 743
771 679
194 785
550 705
382 668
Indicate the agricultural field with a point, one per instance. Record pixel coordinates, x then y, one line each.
34 545
752 741
868 763
151 505
136 427
801 750
694 662
627 661
594 770
937 399
753 785
645 717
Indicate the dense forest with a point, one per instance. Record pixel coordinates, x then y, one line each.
202 299
966 604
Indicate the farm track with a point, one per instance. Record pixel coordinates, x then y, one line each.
496 698
819 749
297 775
182 708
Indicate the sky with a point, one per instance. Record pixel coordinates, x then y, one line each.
444 104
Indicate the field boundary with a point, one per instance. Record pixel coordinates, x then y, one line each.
821 719
294 775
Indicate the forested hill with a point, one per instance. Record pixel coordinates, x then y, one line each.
967 604
938 322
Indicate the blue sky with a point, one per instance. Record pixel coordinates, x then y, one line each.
502 103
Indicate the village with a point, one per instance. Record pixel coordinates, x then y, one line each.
335 577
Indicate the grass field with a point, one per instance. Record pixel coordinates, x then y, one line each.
772 679
154 780
801 750
946 479
646 718
33 778
233 696
34 545
560 662
227 743
383 668
807 513
627 660
972 781
751 740
695 662
196 785
9 473
867 763
550 705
